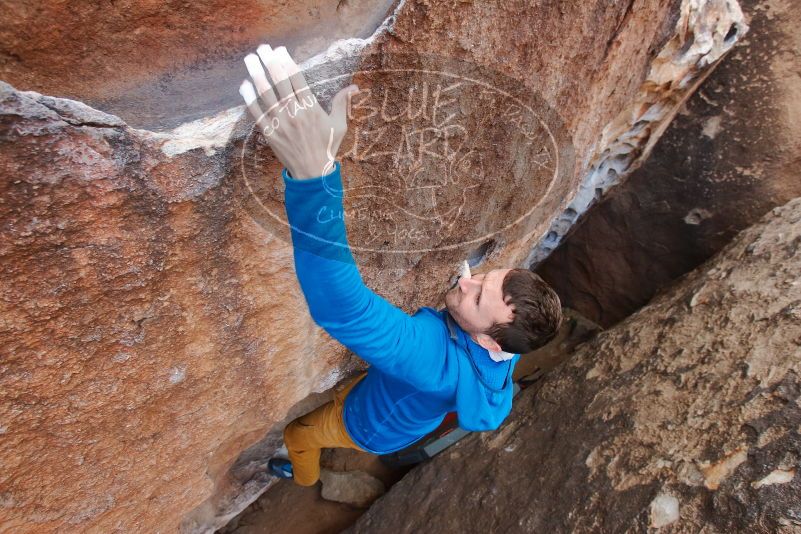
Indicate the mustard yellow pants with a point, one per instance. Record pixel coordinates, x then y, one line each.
321 428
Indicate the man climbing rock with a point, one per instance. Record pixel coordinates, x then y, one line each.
422 366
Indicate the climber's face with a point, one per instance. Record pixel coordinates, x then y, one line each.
476 303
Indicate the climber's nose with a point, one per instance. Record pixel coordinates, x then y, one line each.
467 284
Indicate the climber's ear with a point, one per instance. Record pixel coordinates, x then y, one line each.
487 342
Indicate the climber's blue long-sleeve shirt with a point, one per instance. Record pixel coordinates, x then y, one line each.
422 366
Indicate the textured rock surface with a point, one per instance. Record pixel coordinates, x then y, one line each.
730 156
696 397
152 325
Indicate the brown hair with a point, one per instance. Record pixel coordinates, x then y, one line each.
537 313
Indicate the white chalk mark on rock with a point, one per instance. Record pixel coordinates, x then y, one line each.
177 374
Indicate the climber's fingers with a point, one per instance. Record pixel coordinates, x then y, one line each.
252 102
263 87
272 59
296 77
339 108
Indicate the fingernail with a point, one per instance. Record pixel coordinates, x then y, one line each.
247 92
253 64
264 51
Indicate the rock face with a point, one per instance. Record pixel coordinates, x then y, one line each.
154 336
685 416
729 156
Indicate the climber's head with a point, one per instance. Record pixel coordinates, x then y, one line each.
512 310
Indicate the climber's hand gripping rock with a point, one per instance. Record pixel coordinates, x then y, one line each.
304 138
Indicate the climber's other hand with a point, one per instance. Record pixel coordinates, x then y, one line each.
304 138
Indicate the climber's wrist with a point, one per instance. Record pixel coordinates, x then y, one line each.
309 170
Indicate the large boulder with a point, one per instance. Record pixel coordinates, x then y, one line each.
686 417
155 339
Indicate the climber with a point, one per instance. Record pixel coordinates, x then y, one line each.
456 359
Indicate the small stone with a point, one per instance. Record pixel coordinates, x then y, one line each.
356 488
712 126
696 216
664 510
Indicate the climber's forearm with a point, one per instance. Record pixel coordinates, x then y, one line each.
325 267
339 301
305 139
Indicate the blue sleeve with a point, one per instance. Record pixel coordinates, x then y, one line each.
403 346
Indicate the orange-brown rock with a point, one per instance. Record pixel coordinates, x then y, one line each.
154 337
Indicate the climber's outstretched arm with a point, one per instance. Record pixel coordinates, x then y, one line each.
305 139
338 299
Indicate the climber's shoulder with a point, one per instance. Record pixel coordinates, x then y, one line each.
430 312
432 324
431 316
